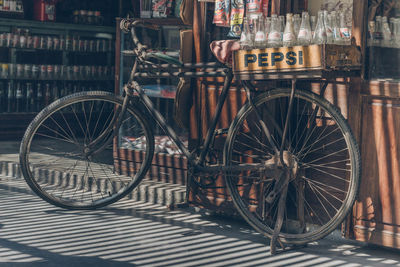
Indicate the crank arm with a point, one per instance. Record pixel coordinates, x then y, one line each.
281 183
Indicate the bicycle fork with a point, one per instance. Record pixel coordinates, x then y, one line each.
283 161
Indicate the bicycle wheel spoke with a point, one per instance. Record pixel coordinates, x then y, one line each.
94 178
344 161
111 172
320 142
79 122
256 139
87 119
72 171
327 156
320 202
69 127
322 184
66 136
262 132
326 191
81 176
309 132
324 166
65 139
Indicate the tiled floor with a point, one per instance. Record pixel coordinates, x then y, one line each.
129 233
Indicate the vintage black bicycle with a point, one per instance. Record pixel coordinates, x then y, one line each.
290 160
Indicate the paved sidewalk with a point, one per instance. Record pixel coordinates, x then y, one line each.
129 233
140 233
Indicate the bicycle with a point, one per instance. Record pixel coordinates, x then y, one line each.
290 160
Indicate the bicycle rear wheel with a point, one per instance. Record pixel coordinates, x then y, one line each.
319 140
61 166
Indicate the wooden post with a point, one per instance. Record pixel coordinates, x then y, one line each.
360 10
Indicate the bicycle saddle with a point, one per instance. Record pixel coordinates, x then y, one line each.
223 49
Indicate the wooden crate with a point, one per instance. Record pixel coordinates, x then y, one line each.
247 63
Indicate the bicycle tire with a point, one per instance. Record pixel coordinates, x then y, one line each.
59 168
320 171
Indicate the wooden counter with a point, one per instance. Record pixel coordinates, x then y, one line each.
376 216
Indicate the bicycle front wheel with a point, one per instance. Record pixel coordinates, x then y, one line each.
63 166
326 157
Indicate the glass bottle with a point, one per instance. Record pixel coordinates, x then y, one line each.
3 98
396 35
289 36
260 39
10 97
391 25
344 30
56 92
47 94
29 98
19 97
313 22
296 23
335 28
305 35
39 97
371 30
328 27
267 25
282 23
320 32
378 36
274 36
387 35
245 37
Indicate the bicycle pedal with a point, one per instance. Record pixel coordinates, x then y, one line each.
221 131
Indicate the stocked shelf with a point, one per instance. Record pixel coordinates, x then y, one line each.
163 21
41 62
58 79
5 22
34 50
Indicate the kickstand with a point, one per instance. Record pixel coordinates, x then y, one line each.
279 222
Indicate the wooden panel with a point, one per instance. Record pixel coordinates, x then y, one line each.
377 208
381 88
377 236
337 94
216 198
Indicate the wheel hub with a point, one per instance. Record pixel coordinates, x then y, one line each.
291 163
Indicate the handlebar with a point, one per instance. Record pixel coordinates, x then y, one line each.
128 25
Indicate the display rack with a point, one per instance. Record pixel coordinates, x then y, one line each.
43 61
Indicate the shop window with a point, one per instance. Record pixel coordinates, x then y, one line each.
383 52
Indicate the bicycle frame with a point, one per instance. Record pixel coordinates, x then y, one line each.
159 118
197 163
164 70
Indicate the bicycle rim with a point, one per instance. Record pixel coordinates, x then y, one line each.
62 168
319 139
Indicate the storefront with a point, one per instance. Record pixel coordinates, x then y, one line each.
43 61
